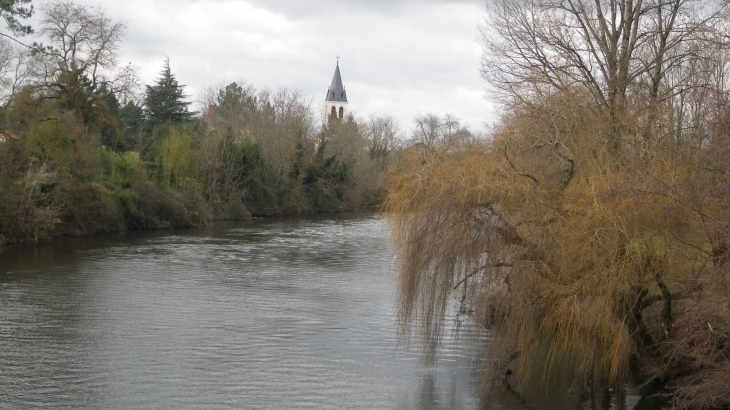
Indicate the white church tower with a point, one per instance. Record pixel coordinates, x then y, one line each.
335 105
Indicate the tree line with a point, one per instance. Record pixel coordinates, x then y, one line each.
85 149
591 229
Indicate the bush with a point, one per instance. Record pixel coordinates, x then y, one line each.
86 208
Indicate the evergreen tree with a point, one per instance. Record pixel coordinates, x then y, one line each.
11 11
109 124
131 118
164 100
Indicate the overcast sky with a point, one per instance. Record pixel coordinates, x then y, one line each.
398 57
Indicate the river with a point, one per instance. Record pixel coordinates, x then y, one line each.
291 313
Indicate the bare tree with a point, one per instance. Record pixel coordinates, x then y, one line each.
434 132
615 50
285 124
383 133
81 64
16 66
428 130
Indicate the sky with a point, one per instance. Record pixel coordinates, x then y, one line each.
400 58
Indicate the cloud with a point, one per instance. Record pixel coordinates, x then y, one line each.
398 57
307 8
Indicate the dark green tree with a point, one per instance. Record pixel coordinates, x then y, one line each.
164 101
131 118
109 124
11 11
234 98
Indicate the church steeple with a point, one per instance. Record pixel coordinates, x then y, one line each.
337 90
335 104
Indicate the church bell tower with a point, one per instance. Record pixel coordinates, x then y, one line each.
335 105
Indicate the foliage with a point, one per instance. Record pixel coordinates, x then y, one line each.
74 160
178 159
24 205
11 10
591 229
581 261
131 125
79 154
263 151
80 66
108 123
164 101
86 208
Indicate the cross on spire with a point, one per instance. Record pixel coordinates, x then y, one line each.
338 59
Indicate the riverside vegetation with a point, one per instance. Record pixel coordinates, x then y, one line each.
592 229
82 151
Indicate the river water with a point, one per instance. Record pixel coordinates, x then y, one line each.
293 313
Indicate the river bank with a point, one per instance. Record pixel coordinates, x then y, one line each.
103 191
153 210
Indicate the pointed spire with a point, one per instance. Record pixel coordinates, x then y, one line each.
337 90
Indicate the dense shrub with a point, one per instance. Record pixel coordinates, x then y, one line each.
84 209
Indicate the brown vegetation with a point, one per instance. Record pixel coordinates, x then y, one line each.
591 229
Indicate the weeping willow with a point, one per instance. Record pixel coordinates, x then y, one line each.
572 252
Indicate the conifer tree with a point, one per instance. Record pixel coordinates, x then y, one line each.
11 11
164 101
131 118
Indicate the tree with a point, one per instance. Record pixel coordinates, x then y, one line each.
588 229
383 134
11 11
80 67
619 53
131 118
434 132
164 101
234 99
259 146
178 159
16 73
108 124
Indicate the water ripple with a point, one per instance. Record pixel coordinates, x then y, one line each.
295 313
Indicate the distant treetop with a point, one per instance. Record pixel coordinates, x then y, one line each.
164 101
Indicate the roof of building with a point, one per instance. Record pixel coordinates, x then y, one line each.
336 91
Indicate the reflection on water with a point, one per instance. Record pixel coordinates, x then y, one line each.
291 313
